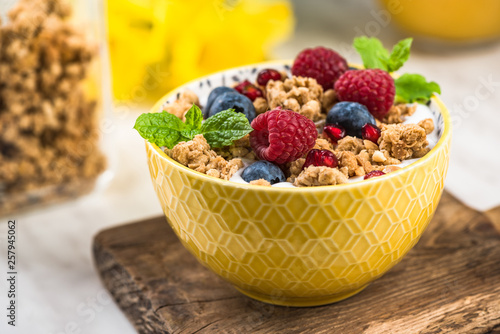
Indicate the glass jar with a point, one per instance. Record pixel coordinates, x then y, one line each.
54 101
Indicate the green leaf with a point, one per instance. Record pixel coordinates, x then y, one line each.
162 129
414 88
194 117
372 52
399 55
225 127
189 134
374 55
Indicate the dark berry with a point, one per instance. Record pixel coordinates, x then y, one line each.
373 174
263 170
249 90
351 116
233 100
334 132
321 158
371 132
215 93
266 75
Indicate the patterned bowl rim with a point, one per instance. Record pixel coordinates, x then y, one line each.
445 137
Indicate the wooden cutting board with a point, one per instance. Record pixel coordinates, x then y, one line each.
449 283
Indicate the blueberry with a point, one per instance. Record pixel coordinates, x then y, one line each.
215 93
236 101
263 170
350 115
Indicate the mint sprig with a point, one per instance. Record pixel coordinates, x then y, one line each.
164 129
409 87
374 55
414 88
225 127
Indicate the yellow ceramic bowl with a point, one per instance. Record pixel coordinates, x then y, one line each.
456 20
298 246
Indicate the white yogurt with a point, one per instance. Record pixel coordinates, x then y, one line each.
422 112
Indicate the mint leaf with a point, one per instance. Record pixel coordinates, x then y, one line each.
189 134
225 127
194 117
399 55
414 88
374 55
162 129
372 52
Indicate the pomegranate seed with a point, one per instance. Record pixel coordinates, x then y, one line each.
371 132
266 75
242 85
334 132
249 90
321 158
373 174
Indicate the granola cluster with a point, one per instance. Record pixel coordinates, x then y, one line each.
398 112
49 138
261 106
240 149
314 176
196 154
404 141
181 106
302 95
260 182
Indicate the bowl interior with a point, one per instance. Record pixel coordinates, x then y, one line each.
203 86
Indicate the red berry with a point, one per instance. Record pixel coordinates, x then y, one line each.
266 75
334 132
321 158
373 88
371 132
249 90
322 64
373 174
282 136
242 85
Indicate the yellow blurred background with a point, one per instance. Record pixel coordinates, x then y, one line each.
156 45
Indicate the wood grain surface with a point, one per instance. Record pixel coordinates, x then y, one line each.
449 283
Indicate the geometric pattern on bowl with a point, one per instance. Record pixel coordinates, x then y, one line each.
300 246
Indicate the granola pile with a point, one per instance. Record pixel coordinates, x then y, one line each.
49 140
196 154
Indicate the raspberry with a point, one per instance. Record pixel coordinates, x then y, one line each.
266 75
282 136
372 88
371 132
249 90
334 132
373 174
322 64
321 158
